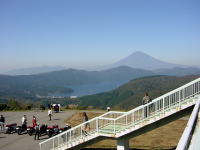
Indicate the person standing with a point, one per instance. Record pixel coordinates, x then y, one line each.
24 120
34 121
108 108
37 131
86 125
2 122
145 100
50 114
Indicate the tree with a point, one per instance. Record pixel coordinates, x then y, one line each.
14 105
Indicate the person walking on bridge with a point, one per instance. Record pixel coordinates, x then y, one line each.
146 99
86 125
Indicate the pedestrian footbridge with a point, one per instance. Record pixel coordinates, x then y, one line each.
124 125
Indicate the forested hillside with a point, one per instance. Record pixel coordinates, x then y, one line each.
130 95
58 81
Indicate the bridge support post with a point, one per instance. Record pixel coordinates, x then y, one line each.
122 144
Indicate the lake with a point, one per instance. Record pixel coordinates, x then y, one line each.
90 89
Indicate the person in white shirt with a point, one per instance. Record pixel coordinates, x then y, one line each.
108 108
24 120
49 114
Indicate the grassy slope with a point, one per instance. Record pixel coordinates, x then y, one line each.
129 95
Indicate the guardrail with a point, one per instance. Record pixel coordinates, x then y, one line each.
187 134
78 132
160 105
114 122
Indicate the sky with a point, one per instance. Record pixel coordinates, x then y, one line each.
84 33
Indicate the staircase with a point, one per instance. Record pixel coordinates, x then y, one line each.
115 124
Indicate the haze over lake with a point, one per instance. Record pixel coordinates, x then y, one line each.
89 89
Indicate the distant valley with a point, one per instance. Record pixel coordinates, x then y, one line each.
61 82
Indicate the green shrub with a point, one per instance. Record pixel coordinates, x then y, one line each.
28 107
81 108
14 105
3 107
42 107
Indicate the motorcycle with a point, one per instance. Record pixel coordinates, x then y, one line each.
52 130
21 129
43 129
10 128
67 127
31 129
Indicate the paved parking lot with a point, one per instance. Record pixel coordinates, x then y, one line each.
26 142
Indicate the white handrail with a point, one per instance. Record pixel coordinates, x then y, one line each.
105 118
186 136
161 97
78 126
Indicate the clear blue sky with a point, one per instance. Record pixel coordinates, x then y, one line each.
77 33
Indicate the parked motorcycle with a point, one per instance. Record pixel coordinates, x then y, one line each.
30 130
52 130
21 129
43 129
67 127
10 128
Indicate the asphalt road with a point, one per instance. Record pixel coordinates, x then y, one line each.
26 142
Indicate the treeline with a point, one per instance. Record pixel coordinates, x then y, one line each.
13 104
28 104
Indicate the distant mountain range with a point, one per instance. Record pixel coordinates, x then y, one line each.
130 94
60 81
34 70
137 59
178 71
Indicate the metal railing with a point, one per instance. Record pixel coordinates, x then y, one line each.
77 133
187 134
114 122
172 101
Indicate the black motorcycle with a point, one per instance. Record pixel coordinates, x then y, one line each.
21 129
67 127
30 130
52 130
10 128
43 129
